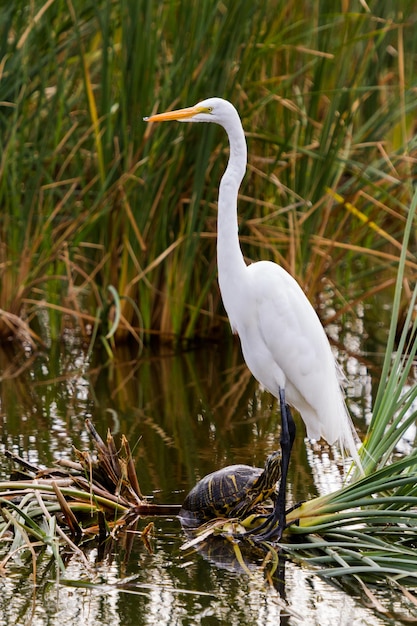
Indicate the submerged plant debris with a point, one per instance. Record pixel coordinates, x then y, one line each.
83 499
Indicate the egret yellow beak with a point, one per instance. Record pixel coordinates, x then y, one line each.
181 114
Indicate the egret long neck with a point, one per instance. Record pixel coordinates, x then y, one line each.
230 261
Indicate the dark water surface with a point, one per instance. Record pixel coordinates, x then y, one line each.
184 415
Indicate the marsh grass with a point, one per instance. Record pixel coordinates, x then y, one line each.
105 219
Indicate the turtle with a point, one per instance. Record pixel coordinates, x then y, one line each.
232 491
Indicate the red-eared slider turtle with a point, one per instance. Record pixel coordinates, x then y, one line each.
232 491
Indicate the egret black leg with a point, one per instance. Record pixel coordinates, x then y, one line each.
276 524
287 440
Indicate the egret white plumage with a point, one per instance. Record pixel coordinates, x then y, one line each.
283 341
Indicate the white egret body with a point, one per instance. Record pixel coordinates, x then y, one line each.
283 342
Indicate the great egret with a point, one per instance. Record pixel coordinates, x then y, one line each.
283 342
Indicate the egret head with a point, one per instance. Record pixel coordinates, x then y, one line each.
214 110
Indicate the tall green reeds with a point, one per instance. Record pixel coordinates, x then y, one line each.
106 222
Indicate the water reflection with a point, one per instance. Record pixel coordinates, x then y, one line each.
184 415
186 592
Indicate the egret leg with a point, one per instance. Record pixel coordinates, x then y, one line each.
276 522
287 440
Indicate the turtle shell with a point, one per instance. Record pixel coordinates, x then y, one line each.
230 492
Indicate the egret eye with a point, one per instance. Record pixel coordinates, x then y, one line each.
209 109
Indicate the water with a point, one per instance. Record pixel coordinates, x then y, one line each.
184 415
